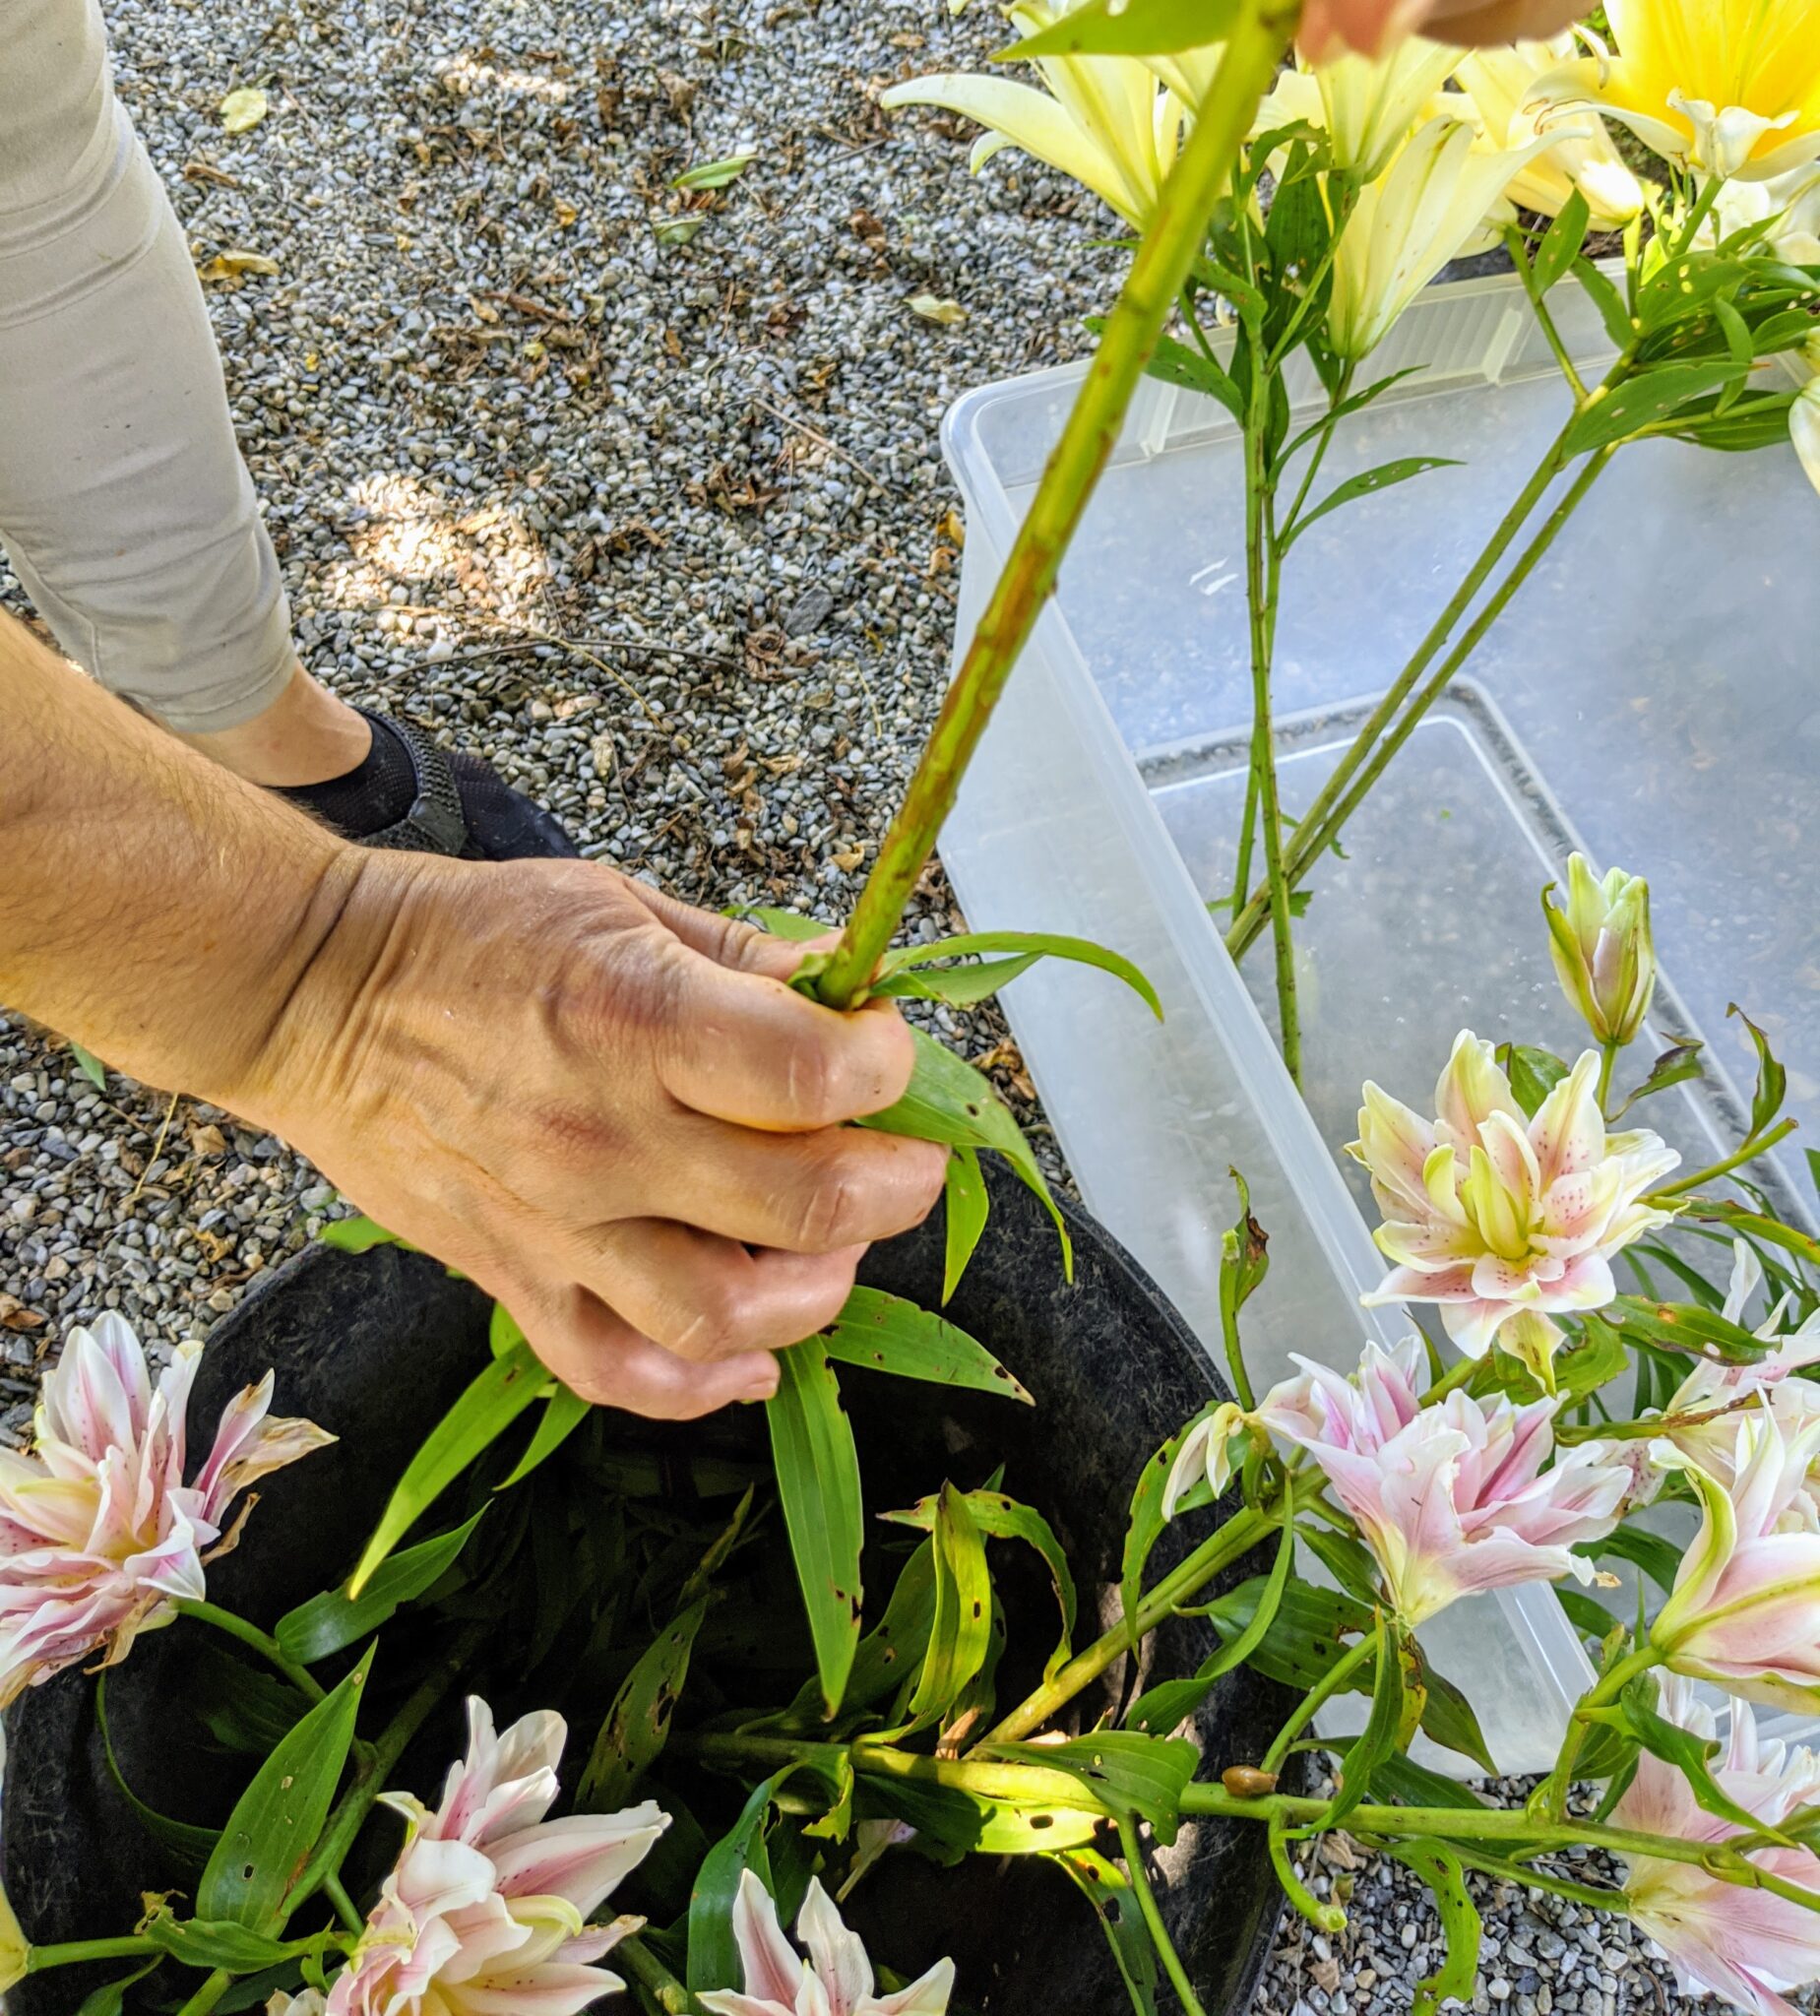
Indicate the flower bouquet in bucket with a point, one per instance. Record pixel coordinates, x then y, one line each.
782 1729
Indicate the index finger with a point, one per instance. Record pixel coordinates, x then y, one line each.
745 1048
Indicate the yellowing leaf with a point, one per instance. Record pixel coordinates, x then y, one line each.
241 110
677 230
937 308
715 175
235 264
566 214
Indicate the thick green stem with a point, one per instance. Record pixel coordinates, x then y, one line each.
1315 834
651 1974
260 1641
73 1952
1026 1783
1609 1056
1748 1153
1262 572
210 1993
371 1772
1244 926
1201 174
1132 1848
1239 1536
1551 1798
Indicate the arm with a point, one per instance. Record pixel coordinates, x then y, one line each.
603 1106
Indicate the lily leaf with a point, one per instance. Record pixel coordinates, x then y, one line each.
92 1066
818 1485
1107 1888
1772 1087
360 1236
962 1633
493 1400
1129 1773
275 1824
887 1333
965 1201
1644 401
1024 944
713 1954
715 175
1367 484
331 1622
637 1725
960 986
1004 1518
1378 1739
1673 1066
563 1412
950 1103
1560 245
1439 1868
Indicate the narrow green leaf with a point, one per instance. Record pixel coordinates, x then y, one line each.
1772 1086
1351 404
894 1649
1305 1635
1378 1739
92 1069
715 175
360 1236
563 1412
1348 1560
1129 28
960 986
192 1846
1145 1524
199 1942
1004 1518
1658 1558
1450 1719
274 1826
887 1333
1560 245
1032 944
1164 1706
1674 1066
330 1622
1107 1888
1740 425
950 1103
486 1411
1414 1784
1439 1868
1691 1756
1607 299
1244 1261
952 1824
110 2000
1367 484
1644 401
1175 363
638 1725
964 1198
1756 1224
1684 1327
1128 1772
713 1954
961 1632
818 1485
784 923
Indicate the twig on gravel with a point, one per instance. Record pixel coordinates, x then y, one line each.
809 433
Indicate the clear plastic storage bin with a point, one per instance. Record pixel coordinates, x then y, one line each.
1651 695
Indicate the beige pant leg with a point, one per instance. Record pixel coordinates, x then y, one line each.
125 507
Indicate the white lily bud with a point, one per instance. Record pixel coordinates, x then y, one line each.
1602 950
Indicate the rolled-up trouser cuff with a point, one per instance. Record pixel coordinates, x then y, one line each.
125 506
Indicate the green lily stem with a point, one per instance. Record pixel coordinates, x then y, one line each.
1598 1895
1330 1684
1263 573
1202 171
1609 1056
1312 839
1515 243
371 1770
1132 1848
651 1974
75 1952
210 1992
345 1909
1761 1145
1551 1798
258 1641
1326 1917
1239 1536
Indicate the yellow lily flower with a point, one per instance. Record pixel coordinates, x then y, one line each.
1804 414
1107 121
1725 86
1431 206
1496 84
1369 103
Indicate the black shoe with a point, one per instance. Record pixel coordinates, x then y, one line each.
411 793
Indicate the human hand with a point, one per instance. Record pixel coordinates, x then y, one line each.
1330 26
603 1106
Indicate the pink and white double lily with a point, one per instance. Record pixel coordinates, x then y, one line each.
1748 1945
1452 1498
99 1535
486 1911
1501 1219
835 1981
1744 1608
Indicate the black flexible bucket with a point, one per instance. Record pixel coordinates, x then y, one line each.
375 1348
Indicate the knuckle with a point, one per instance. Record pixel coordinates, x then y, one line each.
811 1082
718 1322
830 1210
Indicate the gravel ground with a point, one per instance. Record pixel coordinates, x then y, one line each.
640 496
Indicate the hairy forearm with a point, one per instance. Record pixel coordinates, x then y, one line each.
151 905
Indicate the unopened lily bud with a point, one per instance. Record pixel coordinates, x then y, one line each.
1602 950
